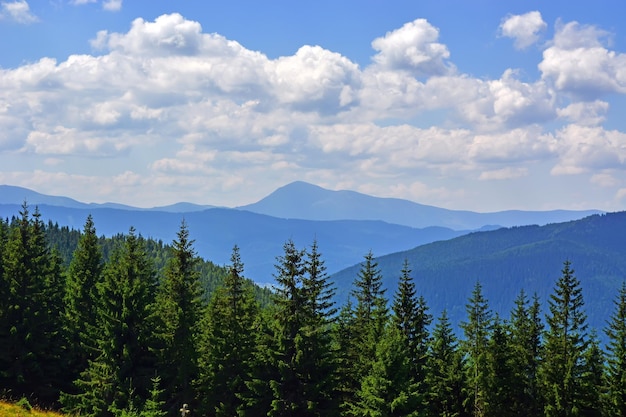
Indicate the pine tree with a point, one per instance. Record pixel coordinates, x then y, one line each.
616 362
565 342
228 347
526 333
81 298
119 378
412 319
445 379
180 309
477 330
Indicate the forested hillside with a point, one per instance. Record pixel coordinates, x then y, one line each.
130 327
508 260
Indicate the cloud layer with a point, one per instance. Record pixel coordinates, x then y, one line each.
166 110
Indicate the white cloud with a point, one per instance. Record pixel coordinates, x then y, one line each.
413 48
524 28
585 113
585 149
18 11
112 5
577 62
170 110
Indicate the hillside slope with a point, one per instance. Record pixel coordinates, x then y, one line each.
510 259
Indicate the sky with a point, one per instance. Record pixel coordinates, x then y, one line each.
481 105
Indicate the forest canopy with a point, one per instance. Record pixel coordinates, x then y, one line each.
129 326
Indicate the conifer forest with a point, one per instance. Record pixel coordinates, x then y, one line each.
129 326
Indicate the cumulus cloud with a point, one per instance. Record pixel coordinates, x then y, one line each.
585 113
525 29
18 11
413 48
201 113
579 63
583 149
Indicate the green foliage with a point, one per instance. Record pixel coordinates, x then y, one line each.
615 396
228 345
387 390
446 396
179 308
526 331
565 343
412 320
30 325
477 330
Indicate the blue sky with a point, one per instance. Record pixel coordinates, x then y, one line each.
481 105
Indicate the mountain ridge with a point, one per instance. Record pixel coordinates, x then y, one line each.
300 199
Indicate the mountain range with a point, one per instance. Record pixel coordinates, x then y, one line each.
449 251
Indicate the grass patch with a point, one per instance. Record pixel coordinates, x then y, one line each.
14 410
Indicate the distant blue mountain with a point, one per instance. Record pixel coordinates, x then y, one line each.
260 237
300 200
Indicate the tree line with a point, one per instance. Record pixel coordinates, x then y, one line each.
117 331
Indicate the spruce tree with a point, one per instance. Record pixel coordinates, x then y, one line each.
501 381
445 379
228 346
119 378
304 357
319 355
370 315
477 330
179 308
565 342
592 378
288 388
30 324
615 397
80 299
526 342
412 319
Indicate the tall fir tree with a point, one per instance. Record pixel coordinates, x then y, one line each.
320 357
412 319
179 308
288 390
304 357
228 346
501 381
371 313
30 325
526 342
119 378
615 397
477 330
446 380
565 342
80 299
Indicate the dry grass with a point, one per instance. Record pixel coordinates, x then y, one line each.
14 410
